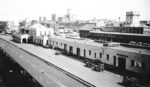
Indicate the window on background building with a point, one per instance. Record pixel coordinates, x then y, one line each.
100 55
107 56
95 55
61 44
56 43
132 63
89 52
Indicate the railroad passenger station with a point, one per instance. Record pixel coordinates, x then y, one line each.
55 55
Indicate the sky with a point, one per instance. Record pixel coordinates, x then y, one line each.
80 9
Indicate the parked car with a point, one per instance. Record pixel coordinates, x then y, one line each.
98 67
57 53
88 64
130 81
132 43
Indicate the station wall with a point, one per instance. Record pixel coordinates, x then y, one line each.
136 62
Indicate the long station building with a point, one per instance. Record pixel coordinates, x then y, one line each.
125 58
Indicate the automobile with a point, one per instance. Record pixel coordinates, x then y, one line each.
139 43
88 64
145 44
46 46
2 33
57 53
132 43
98 67
130 81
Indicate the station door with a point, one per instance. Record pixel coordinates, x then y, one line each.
121 63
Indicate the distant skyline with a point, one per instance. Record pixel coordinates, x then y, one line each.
80 9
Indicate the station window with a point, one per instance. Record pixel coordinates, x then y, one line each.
132 63
84 52
47 42
143 65
138 64
40 41
95 55
114 57
56 43
107 56
100 55
89 52
61 44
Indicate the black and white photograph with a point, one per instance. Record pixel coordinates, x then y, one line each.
74 43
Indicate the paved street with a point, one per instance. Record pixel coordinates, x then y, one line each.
99 79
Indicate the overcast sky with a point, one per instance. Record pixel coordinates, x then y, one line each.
81 9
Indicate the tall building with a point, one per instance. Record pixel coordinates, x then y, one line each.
133 18
54 17
42 18
68 14
60 19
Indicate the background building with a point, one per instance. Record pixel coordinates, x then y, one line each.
53 17
133 18
39 34
85 30
60 19
42 18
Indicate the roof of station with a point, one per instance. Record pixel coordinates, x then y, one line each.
93 43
